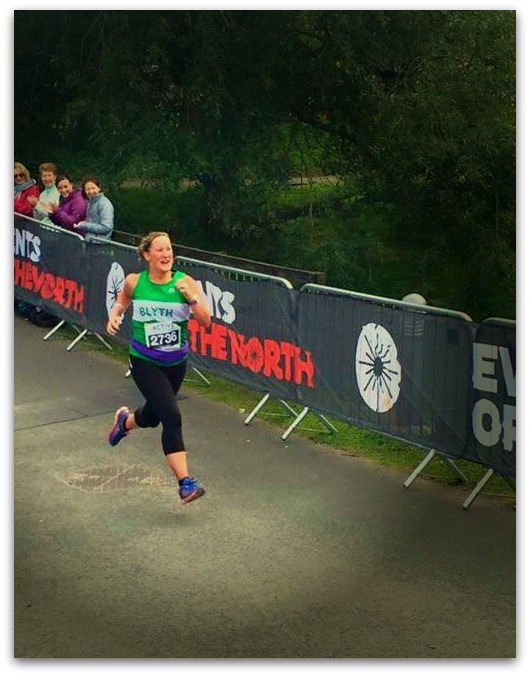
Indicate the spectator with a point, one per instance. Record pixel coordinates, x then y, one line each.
49 196
72 205
100 214
25 187
26 194
42 208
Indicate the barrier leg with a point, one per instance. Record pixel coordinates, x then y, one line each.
298 417
201 375
331 427
82 334
58 326
456 470
102 340
76 340
471 497
296 422
480 485
289 407
257 409
423 464
55 328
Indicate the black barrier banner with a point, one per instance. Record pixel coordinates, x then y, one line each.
425 376
251 338
50 269
492 436
109 263
390 369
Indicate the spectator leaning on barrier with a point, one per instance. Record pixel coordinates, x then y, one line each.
72 205
162 303
49 196
100 213
42 208
25 187
26 197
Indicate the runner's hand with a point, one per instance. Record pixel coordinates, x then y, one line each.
114 323
188 287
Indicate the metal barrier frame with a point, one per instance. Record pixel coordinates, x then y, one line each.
236 274
422 309
295 275
419 309
81 333
241 275
489 473
460 476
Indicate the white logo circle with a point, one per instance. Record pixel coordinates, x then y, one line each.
377 368
115 281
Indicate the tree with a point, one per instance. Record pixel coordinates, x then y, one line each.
415 108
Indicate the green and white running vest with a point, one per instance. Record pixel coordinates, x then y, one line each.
159 321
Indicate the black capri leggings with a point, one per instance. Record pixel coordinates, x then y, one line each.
159 385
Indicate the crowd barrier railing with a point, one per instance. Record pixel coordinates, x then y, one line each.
235 274
60 236
412 327
425 375
488 435
499 337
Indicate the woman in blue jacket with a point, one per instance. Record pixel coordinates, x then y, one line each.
100 214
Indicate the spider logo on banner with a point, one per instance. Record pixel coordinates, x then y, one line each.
377 368
115 281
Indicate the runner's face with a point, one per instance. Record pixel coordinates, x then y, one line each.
160 254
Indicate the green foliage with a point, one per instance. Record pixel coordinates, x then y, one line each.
138 211
411 109
321 227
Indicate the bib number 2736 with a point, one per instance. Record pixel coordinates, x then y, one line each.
160 334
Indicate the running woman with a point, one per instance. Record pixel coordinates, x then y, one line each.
162 302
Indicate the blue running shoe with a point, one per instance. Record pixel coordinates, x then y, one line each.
190 490
117 430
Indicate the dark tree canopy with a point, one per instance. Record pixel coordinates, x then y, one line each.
415 108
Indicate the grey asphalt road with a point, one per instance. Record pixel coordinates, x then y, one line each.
295 551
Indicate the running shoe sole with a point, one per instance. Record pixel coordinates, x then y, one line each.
198 493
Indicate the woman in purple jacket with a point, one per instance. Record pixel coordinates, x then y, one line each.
72 205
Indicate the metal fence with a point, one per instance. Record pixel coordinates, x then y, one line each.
425 375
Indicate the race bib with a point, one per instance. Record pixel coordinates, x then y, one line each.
162 335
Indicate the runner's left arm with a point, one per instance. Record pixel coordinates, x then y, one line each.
192 292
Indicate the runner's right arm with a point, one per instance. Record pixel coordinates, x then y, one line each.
123 301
